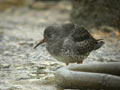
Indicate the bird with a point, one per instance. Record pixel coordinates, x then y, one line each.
69 42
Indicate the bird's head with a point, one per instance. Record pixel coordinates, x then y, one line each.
56 32
50 34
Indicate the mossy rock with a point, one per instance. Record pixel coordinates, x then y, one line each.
96 13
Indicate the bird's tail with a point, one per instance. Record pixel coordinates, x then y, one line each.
99 44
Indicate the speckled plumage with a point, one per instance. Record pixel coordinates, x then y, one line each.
70 43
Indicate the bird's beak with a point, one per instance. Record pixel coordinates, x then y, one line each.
42 41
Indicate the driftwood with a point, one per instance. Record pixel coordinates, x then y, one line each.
89 76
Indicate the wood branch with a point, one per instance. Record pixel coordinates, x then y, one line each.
89 76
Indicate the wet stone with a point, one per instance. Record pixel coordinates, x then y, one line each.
5 66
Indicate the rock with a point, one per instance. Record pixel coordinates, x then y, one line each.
6 66
93 14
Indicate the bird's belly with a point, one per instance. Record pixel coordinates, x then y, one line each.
71 58
66 54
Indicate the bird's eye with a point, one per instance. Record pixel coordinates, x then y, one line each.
49 32
50 35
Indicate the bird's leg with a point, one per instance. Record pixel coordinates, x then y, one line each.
67 63
79 62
